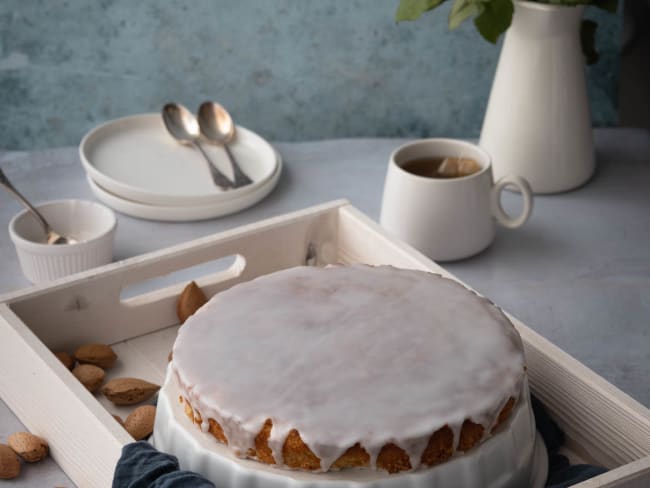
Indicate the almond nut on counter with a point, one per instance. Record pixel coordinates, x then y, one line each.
127 391
9 463
30 447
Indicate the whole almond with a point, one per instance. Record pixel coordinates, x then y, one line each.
28 446
9 463
127 391
91 376
140 422
65 358
192 298
98 354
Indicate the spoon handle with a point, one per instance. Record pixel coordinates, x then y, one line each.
7 184
221 180
241 178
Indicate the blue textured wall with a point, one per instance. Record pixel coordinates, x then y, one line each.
289 69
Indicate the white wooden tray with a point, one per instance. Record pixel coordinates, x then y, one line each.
603 425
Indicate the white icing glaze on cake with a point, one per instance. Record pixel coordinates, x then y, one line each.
348 354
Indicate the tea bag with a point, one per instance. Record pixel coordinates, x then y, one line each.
458 167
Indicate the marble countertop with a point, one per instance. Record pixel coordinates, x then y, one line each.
578 272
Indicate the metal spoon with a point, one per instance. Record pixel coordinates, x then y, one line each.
217 126
52 237
183 127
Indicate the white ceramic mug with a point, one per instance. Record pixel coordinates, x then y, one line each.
447 218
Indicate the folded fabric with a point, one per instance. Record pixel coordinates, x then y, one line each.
571 474
560 473
142 466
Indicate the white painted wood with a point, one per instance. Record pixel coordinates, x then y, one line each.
87 308
84 439
601 422
612 427
633 475
361 240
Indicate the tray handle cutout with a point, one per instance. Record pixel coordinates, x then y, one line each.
205 274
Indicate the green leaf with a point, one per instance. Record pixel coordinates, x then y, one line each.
588 40
462 9
495 19
412 9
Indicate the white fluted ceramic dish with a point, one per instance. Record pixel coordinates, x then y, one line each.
134 158
185 213
513 458
92 225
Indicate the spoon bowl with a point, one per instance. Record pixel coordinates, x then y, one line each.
181 123
216 123
183 126
217 126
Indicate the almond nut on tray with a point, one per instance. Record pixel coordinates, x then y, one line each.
91 376
98 354
191 299
127 391
140 422
67 360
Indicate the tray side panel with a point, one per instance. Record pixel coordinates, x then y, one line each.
361 240
633 475
609 425
84 439
87 308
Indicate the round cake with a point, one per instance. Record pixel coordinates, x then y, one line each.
323 369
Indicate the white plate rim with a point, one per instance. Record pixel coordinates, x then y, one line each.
134 193
186 213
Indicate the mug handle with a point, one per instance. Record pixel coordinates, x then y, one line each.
495 201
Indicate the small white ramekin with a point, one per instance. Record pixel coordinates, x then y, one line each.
90 223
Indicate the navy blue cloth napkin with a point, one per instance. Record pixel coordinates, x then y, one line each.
560 473
142 466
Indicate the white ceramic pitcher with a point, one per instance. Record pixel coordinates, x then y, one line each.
537 124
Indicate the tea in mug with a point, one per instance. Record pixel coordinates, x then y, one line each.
451 167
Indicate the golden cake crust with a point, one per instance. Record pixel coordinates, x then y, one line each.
392 458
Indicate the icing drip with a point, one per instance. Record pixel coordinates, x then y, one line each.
373 355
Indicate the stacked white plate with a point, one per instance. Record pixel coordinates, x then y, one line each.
134 166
